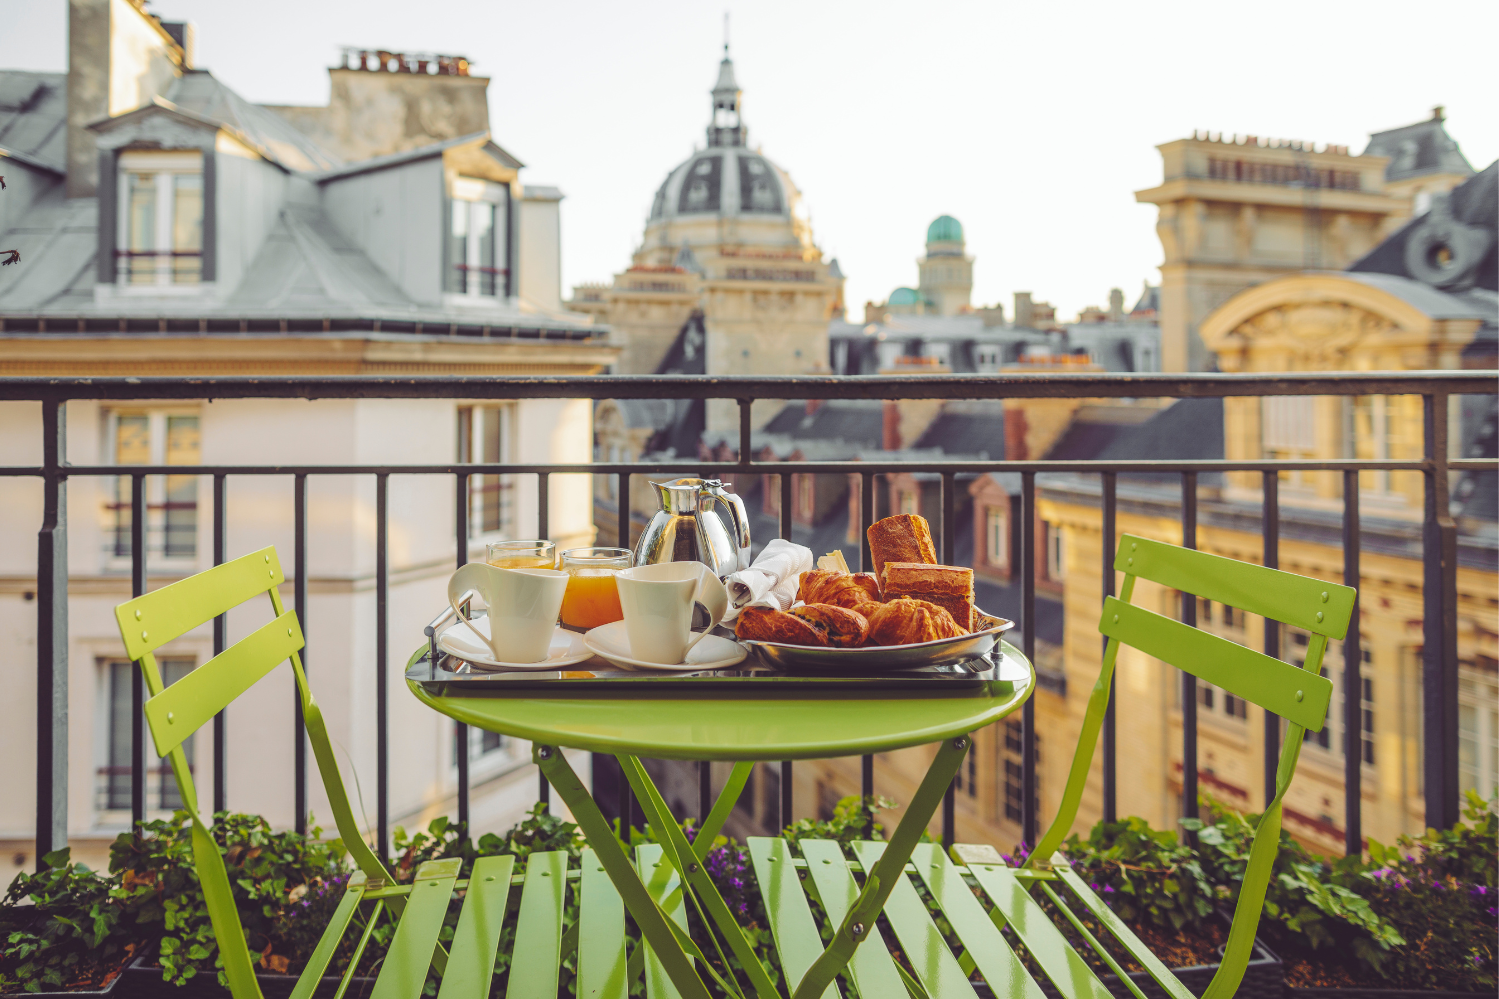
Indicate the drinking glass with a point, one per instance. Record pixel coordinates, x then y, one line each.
529 554
592 598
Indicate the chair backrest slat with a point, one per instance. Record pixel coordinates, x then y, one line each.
181 709
1297 694
1311 604
152 620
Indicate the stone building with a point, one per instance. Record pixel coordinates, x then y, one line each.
727 238
177 229
1238 212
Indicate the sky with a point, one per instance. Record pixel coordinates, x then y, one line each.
1033 124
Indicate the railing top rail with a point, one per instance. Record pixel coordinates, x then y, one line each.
1018 385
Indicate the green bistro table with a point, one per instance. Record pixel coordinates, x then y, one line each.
733 717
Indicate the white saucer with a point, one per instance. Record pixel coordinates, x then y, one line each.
467 641
611 642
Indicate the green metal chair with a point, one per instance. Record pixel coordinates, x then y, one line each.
982 896
176 712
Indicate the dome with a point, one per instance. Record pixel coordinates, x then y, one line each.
904 296
723 180
944 229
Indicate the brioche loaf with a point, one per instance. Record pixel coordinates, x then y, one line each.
765 624
906 621
846 629
949 587
902 538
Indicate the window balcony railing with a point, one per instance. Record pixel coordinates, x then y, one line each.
1438 625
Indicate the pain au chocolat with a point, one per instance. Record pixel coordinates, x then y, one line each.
766 624
949 587
902 538
846 628
906 621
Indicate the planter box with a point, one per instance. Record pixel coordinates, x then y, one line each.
1370 993
1264 978
142 980
114 990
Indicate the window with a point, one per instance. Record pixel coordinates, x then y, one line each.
967 778
155 438
478 244
484 437
997 536
113 784
1013 760
1332 734
480 743
1056 557
1478 732
1371 436
161 219
1289 431
1221 702
806 497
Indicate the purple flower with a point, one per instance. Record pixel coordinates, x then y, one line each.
1107 889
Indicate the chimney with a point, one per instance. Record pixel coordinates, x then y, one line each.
1439 113
119 58
1116 305
1023 311
186 37
890 429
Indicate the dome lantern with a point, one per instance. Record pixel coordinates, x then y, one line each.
725 128
945 229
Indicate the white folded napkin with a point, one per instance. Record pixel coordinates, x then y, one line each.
771 581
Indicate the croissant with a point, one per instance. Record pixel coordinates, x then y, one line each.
906 621
842 589
846 629
903 538
765 624
810 580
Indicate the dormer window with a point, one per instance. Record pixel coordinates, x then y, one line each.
478 247
161 219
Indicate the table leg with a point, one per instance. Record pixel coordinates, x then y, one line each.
878 883
607 848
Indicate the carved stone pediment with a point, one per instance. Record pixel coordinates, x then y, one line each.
1322 332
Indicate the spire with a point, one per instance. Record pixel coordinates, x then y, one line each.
726 128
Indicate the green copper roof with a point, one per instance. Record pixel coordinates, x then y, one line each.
904 296
944 229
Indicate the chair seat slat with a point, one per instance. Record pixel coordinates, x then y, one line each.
184 707
1062 964
476 940
602 965
538 929
872 968
791 922
924 946
333 935
661 881
177 608
1297 694
410 954
988 948
1121 931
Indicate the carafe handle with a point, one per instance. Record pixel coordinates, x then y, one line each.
738 517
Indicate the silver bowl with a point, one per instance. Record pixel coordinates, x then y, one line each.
886 657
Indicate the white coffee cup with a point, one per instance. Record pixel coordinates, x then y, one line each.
523 607
657 601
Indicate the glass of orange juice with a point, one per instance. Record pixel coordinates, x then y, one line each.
529 554
592 598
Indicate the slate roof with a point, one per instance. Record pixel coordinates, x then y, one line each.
1418 149
854 421
1474 202
199 92
33 118
973 429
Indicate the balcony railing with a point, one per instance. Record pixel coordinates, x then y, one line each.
1439 540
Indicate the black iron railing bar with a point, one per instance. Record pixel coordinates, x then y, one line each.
1270 555
1439 624
1110 484
299 590
1188 681
460 729
1028 527
744 388
220 643
137 680
382 654
1353 686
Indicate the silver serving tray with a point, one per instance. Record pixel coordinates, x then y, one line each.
885 657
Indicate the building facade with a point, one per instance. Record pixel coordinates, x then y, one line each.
188 232
727 238
1235 213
